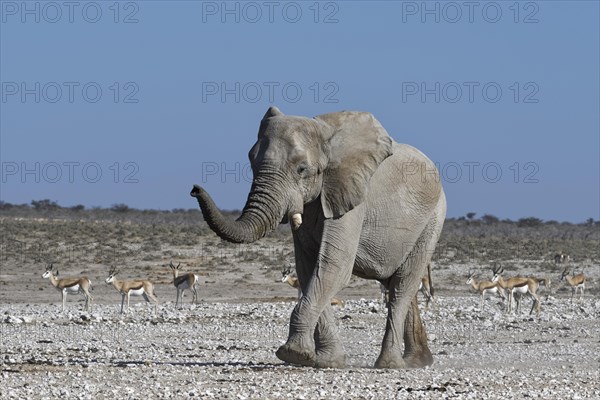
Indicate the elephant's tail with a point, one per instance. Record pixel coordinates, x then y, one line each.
431 290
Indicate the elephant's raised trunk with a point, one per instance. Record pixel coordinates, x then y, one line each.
261 214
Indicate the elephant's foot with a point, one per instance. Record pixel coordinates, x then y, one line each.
294 354
331 357
420 360
392 361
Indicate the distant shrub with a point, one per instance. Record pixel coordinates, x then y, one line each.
119 207
44 204
78 207
529 222
490 219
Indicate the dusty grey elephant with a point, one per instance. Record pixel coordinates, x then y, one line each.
358 203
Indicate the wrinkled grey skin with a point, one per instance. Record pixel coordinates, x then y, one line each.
370 207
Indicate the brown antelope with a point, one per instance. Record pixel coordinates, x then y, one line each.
183 282
81 285
132 288
576 282
427 290
291 278
547 285
518 286
561 258
424 287
485 287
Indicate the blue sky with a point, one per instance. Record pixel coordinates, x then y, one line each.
134 104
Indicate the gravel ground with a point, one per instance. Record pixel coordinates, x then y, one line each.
226 350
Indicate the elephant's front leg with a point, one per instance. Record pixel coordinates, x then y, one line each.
391 347
330 352
312 319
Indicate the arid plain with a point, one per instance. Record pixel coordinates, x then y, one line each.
223 346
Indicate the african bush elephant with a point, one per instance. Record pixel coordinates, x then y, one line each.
358 203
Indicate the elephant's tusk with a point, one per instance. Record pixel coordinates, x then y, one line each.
296 221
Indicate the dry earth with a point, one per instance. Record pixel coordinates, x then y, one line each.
224 346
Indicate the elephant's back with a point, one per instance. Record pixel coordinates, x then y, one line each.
405 191
411 175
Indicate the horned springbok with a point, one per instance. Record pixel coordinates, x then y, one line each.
424 287
576 282
291 278
561 258
183 282
485 287
518 286
81 285
143 288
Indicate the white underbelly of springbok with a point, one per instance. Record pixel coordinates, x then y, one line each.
136 292
521 290
493 290
72 289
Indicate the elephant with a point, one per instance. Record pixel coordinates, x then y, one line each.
358 204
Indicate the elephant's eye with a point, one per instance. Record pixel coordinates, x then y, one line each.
302 169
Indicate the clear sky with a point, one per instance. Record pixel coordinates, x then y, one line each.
135 102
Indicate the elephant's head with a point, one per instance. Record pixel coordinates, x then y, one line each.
297 160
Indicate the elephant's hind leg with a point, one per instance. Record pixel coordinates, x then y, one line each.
416 351
403 313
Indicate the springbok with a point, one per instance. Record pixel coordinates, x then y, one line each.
132 288
547 284
518 286
291 278
424 287
183 282
561 258
485 287
81 285
576 282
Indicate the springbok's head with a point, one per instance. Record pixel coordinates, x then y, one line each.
48 272
111 274
285 272
470 277
497 270
173 267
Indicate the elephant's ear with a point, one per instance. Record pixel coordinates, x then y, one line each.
356 145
